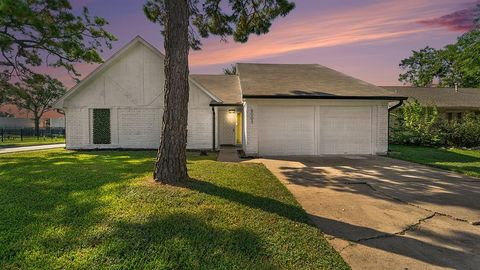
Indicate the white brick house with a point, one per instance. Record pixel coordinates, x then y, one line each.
268 109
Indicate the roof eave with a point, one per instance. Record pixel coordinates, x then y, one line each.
220 104
324 97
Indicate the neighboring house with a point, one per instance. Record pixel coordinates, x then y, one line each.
268 109
452 104
18 118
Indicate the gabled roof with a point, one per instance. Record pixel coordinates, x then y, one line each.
264 81
304 81
138 39
441 97
225 87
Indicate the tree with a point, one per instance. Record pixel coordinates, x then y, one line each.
34 32
36 93
421 68
232 70
455 64
184 22
468 57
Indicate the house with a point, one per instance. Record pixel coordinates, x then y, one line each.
13 117
267 109
451 103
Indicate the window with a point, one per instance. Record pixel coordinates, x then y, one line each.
450 116
459 116
101 126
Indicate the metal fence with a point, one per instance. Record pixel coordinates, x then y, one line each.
19 134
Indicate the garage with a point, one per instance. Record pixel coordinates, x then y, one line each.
286 130
345 130
314 130
310 109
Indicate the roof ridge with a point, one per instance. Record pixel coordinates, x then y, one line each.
279 64
224 75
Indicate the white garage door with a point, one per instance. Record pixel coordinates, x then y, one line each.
345 130
286 130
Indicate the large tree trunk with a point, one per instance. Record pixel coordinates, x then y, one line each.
171 165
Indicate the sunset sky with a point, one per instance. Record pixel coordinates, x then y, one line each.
363 38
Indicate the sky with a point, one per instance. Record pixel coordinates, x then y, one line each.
366 39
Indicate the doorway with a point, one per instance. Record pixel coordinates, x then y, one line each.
229 127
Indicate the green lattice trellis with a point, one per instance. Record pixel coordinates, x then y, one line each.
101 126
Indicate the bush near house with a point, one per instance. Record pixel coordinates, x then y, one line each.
415 124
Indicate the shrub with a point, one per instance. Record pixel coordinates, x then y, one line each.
417 124
421 125
464 133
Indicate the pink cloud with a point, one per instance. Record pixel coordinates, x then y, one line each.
459 21
377 22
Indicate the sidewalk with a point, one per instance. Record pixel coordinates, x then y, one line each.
228 154
31 148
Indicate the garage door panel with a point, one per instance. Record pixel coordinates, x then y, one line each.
286 130
345 130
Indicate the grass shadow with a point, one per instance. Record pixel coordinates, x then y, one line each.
292 212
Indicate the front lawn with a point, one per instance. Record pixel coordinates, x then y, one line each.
462 161
94 210
29 141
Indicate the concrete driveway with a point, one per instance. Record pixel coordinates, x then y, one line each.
382 213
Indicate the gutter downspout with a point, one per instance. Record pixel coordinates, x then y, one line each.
213 124
400 103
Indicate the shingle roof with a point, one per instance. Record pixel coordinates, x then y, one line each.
441 97
305 80
225 87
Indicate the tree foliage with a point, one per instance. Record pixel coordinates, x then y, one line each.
455 64
36 32
422 125
421 68
237 18
231 70
36 94
416 124
464 133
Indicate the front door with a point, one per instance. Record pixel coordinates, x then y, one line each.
238 133
227 120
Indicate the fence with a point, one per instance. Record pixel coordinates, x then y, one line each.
19 134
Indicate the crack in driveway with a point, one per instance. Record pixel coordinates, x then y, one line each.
393 219
474 223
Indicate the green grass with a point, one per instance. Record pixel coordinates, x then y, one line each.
29 141
100 210
463 161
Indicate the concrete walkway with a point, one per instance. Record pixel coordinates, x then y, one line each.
382 213
30 148
228 154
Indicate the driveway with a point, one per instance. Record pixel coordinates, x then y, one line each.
382 213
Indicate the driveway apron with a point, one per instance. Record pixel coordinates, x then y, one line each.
382 213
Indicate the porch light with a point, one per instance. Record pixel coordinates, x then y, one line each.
231 111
